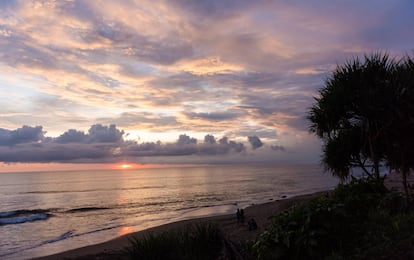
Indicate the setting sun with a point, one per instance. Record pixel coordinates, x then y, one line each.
126 166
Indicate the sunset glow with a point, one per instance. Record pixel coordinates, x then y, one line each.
139 117
177 82
125 166
125 230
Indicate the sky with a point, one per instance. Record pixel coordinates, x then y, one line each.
161 82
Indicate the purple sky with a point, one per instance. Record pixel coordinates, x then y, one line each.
213 81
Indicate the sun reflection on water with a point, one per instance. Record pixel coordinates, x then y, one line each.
125 230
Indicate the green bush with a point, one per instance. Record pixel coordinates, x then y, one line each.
193 242
304 232
357 220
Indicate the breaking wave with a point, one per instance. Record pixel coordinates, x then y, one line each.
23 216
84 209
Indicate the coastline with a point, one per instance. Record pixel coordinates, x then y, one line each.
232 230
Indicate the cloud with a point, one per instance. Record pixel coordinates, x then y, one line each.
101 144
214 116
143 120
186 140
207 66
278 148
228 68
105 134
255 142
54 152
185 145
96 134
25 134
209 139
213 8
72 136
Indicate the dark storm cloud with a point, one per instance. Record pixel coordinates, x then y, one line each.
53 152
209 139
185 145
72 136
28 144
255 142
100 144
25 134
238 147
104 134
185 140
96 134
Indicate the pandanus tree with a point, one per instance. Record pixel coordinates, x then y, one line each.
400 136
365 116
350 113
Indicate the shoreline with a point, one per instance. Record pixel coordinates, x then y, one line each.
261 212
235 232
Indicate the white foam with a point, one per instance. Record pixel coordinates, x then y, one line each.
23 219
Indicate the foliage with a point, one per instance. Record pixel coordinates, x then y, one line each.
365 115
359 220
193 242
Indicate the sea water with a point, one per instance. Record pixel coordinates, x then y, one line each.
43 213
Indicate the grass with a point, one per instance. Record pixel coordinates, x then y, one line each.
193 242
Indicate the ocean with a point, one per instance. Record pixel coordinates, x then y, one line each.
43 213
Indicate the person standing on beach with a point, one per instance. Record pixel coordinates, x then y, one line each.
242 216
238 215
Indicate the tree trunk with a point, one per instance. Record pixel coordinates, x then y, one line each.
404 175
374 158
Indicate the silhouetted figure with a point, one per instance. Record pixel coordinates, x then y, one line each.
238 215
242 216
252 224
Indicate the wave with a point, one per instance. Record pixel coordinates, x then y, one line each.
85 209
59 238
207 206
23 216
92 190
98 230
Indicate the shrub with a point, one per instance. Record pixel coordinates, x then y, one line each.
358 220
192 242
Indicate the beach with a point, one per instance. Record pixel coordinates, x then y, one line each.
233 231
45 213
